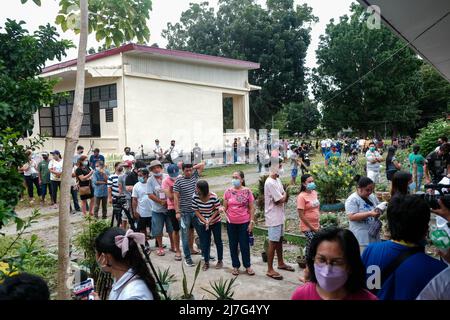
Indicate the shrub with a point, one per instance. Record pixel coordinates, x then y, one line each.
328 220
429 135
332 181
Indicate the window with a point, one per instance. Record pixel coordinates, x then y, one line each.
54 121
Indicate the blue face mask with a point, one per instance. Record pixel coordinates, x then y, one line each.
311 186
141 179
236 183
158 174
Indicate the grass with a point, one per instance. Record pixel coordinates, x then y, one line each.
226 170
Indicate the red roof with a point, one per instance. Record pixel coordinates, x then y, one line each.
157 51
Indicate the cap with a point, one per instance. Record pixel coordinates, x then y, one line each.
56 152
128 163
45 154
155 163
173 170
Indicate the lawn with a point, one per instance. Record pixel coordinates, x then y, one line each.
226 170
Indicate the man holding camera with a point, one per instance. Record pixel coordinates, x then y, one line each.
437 164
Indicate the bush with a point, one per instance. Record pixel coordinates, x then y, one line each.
328 220
332 181
429 135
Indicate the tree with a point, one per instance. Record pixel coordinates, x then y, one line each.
114 21
366 79
277 37
22 93
299 118
434 102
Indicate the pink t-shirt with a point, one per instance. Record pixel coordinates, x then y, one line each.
308 292
310 205
273 192
238 205
167 184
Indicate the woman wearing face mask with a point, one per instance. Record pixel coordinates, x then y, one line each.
402 184
206 206
361 211
238 203
83 174
117 253
308 208
336 268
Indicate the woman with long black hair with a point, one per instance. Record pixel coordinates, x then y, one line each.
118 253
402 183
392 164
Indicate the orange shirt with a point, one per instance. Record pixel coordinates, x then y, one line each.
310 205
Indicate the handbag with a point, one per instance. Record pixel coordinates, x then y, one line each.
85 191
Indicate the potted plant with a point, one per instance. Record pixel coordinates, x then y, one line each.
332 182
187 294
266 249
301 259
222 290
166 278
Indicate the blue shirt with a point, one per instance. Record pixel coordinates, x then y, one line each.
93 160
410 277
333 158
100 190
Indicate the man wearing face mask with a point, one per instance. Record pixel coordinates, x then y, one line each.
142 205
44 177
274 199
374 160
159 205
167 186
100 184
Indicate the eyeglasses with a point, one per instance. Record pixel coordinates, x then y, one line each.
332 262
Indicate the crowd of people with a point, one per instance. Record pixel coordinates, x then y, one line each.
174 198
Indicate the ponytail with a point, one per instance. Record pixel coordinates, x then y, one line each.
241 174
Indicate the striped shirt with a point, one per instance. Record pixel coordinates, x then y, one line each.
207 208
186 188
113 183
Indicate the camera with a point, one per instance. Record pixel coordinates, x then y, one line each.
433 199
119 201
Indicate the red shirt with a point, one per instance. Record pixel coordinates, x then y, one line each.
308 292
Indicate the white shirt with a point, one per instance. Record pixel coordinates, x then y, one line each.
130 287
31 168
129 157
56 166
144 205
438 288
174 153
157 149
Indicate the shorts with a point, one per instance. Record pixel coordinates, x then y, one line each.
173 218
158 221
294 173
276 233
143 223
374 176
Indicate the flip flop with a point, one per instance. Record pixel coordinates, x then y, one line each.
178 258
275 276
287 268
250 272
235 272
160 252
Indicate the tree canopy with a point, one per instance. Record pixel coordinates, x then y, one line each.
276 36
297 118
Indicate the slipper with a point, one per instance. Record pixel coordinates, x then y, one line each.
178 258
275 276
235 272
287 268
250 272
160 252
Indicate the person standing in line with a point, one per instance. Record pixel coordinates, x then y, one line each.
31 176
113 190
84 174
96 157
80 150
275 198
74 192
392 164
100 183
142 205
239 207
416 164
44 177
374 160
55 168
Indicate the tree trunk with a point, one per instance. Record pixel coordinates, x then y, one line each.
64 234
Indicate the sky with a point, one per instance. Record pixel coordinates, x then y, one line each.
164 11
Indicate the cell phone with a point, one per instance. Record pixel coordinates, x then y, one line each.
84 289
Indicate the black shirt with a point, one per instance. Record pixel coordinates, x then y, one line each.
305 157
437 166
131 179
83 171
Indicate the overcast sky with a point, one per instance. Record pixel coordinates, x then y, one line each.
164 11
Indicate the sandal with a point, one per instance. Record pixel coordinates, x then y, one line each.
205 266
219 265
160 252
235 272
275 276
287 268
178 258
250 271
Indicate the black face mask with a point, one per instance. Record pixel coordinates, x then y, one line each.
45 158
127 152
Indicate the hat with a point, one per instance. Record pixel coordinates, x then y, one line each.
45 154
155 163
56 152
173 170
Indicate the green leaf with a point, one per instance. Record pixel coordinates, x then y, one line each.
38 2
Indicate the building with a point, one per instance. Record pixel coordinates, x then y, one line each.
135 94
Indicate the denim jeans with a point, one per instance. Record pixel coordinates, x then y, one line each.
44 187
238 235
74 193
419 180
185 223
205 238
